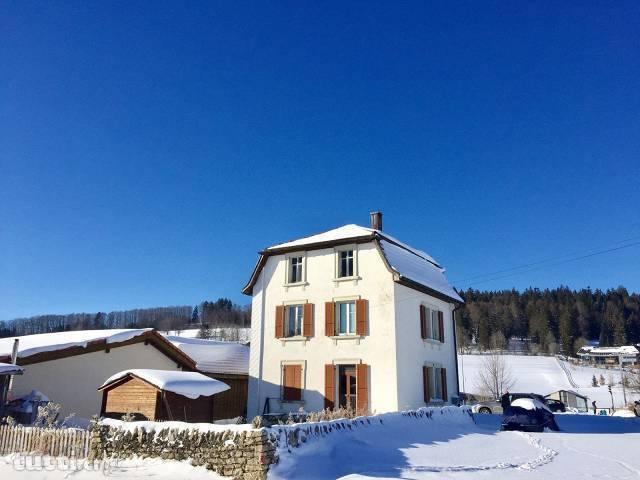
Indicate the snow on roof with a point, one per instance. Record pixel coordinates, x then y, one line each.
340 233
9 369
622 350
47 342
213 356
410 263
529 404
187 384
418 269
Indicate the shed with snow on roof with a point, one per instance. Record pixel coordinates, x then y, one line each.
160 395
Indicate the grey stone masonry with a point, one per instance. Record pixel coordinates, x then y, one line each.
243 455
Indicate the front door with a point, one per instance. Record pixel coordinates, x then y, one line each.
347 382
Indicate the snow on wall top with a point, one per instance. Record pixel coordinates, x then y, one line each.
213 356
47 342
188 384
9 369
408 262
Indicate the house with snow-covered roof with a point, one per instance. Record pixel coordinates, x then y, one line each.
351 317
68 367
227 362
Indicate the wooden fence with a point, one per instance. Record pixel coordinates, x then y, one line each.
45 441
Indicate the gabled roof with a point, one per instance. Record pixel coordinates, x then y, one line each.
411 267
188 384
213 356
44 347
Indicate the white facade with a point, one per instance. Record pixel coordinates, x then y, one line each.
392 347
73 381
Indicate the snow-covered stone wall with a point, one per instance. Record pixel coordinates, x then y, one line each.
237 453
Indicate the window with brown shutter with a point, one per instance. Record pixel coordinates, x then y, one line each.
441 325
329 319
425 384
423 321
279 321
443 372
292 383
307 328
329 386
361 317
362 388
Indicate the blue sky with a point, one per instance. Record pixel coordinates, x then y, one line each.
149 150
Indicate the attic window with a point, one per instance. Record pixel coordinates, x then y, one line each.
345 264
295 269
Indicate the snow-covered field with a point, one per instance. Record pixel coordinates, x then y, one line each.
544 375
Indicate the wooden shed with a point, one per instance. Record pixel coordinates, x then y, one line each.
161 395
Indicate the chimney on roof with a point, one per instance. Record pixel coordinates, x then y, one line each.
376 220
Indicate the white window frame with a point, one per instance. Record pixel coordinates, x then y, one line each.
433 324
337 252
435 382
303 274
351 319
299 319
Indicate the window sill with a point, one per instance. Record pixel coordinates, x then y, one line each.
297 338
295 284
354 278
297 402
431 341
356 338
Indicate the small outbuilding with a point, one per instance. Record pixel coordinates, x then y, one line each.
571 399
160 395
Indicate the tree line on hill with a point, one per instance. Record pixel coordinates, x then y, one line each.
551 320
222 313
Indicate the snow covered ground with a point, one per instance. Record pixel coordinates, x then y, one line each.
588 447
544 375
18 468
450 446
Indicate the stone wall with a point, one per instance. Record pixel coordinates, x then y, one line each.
244 455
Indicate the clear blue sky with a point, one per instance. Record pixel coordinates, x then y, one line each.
149 150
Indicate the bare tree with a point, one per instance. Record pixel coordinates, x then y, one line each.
495 376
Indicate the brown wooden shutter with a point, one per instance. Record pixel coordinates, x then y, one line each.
292 382
425 384
279 321
361 317
329 386
362 388
423 321
443 372
441 325
329 319
307 320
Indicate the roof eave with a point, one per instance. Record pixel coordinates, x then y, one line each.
407 282
268 252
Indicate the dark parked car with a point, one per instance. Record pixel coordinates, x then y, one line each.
528 415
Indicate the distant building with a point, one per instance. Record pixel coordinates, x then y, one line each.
627 354
571 399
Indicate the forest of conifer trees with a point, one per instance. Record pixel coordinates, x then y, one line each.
558 319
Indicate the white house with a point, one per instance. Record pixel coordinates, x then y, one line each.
354 317
609 355
68 367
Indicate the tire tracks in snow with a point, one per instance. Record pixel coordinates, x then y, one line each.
622 464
